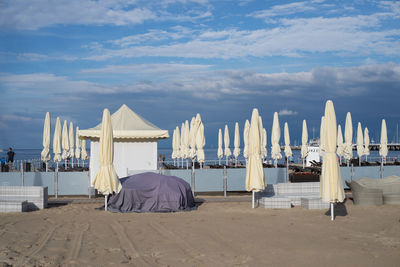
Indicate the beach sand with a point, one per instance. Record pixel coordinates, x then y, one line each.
217 234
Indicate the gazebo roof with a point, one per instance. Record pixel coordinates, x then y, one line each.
127 125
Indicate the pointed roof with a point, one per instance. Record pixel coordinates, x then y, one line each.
127 124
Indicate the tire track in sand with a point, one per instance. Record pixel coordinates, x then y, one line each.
187 249
41 243
130 251
76 246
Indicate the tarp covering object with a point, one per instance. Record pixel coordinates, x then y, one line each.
152 192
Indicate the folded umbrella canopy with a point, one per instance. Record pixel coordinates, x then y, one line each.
340 145
263 143
348 137
246 139
383 149
220 152
331 180
200 143
275 136
227 150
173 155
288 150
65 143
57 142
255 179
236 142
84 155
366 142
71 143
77 144
264 152
186 133
194 127
106 180
304 141
178 144
360 143
45 154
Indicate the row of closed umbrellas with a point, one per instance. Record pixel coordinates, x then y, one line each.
181 142
72 147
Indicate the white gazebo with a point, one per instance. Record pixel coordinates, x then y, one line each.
135 143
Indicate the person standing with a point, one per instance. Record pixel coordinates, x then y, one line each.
10 157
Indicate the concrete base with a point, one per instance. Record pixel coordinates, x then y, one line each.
314 204
13 206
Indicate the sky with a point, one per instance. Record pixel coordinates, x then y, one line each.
170 59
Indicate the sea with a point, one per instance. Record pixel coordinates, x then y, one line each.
210 155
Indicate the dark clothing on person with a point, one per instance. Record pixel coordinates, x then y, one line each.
10 156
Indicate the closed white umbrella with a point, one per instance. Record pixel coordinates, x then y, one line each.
65 143
57 142
340 145
246 139
383 149
264 151
255 179
275 136
263 143
184 155
200 143
321 137
288 150
304 141
194 127
236 143
227 150
173 155
220 152
331 180
84 155
366 143
45 155
360 143
348 138
77 145
106 180
186 142
178 144
71 137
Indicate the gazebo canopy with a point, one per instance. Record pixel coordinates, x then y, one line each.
127 125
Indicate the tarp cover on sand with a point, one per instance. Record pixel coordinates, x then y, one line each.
152 192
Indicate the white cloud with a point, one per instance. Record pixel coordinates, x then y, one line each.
358 35
42 13
286 112
32 15
282 10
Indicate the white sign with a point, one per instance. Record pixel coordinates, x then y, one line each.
313 154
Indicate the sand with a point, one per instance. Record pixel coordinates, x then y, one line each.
217 234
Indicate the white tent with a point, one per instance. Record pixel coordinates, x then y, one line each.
135 143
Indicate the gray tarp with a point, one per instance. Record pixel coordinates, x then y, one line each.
152 192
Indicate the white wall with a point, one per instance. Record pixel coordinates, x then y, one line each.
127 155
313 154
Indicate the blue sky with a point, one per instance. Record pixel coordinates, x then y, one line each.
171 59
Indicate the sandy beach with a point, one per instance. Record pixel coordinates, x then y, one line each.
216 234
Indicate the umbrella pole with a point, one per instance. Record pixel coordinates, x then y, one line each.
187 164
276 163
219 161
253 200
303 162
332 212
287 169
226 160
381 169
105 202
47 166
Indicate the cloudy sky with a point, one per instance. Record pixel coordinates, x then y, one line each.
171 59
